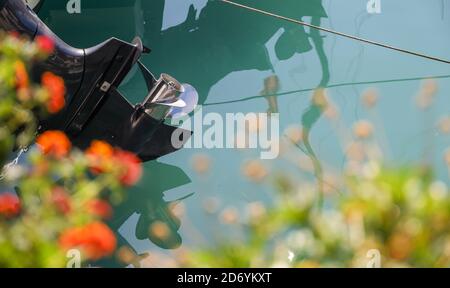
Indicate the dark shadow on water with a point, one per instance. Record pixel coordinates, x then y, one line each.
147 201
223 39
201 51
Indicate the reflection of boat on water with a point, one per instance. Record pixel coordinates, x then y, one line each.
157 221
148 202
202 50
213 46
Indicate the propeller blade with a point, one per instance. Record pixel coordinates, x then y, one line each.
190 98
179 103
148 76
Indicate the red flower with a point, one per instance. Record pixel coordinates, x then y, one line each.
14 34
54 143
104 158
56 90
95 239
45 44
9 205
131 167
100 208
61 200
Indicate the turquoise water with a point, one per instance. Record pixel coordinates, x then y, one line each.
227 53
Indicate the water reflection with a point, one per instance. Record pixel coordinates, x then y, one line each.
239 45
222 39
202 50
157 220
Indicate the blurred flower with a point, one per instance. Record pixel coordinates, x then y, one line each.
131 167
40 168
100 155
160 230
308 264
444 125
211 205
400 246
36 237
447 157
54 143
427 93
61 200
103 158
256 211
177 209
370 98
22 80
201 163
126 255
438 191
45 44
100 208
56 90
294 133
96 240
229 215
356 151
429 87
255 170
363 129
331 111
9 205
14 34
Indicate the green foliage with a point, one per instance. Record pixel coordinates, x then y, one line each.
62 195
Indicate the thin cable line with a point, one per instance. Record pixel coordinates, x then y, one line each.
336 32
328 86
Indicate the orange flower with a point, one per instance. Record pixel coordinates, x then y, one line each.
56 89
54 143
100 148
22 80
45 44
102 157
131 167
9 205
99 154
61 200
100 208
96 240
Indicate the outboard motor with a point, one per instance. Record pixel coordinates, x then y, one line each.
95 109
